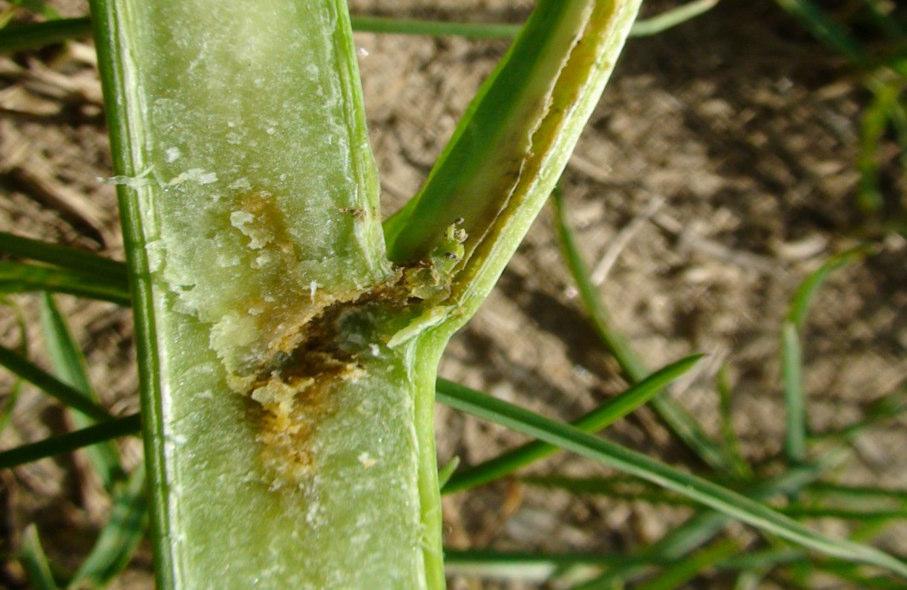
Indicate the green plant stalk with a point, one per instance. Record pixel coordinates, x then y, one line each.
254 211
256 263
598 419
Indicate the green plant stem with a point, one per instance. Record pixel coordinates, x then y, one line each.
716 497
74 259
596 420
52 386
17 277
69 442
679 422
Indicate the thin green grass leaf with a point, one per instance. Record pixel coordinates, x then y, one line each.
857 494
38 7
618 489
445 472
71 441
806 291
52 386
69 367
825 29
403 26
598 419
791 354
705 525
800 510
678 420
794 403
685 570
75 259
18 277
35 562
525 566
726 424
120 537
12 398
615 487
671 18
874 123
723 500
886 407
36 35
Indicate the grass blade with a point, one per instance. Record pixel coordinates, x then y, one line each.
726 425
825 29
873 124
69 366
37 35
38 7
403 26
81 261
71 441
52 386
17 277
35 561
714 496
120 537
677 574
678 421
791 370
671 18
445 472
884 408
857 494
806 291
9 404
791 355
599 418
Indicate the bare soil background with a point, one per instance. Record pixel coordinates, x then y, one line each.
717 171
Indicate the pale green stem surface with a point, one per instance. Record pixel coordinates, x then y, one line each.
249 200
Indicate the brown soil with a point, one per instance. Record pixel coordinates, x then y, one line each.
718 170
